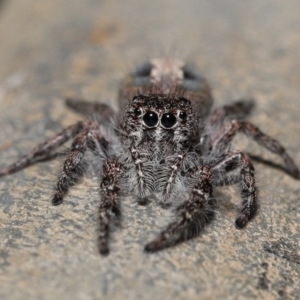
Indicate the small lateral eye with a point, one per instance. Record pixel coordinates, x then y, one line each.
168 120
183 115
150 119
137 112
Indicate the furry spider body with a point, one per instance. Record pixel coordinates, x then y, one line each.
165 141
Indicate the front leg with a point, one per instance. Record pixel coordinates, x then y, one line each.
110 198
249 190
192 215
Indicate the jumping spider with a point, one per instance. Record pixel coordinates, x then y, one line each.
165 141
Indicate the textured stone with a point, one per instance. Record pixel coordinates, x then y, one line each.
53 49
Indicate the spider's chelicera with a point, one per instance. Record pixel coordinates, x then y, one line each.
165 141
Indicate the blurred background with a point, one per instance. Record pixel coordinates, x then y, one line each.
53 49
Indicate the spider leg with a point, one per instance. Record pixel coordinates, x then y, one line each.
72 169
227 180
218 179
110 206
248 186
221 140
93 139
89 108
192 215
239 108
44 150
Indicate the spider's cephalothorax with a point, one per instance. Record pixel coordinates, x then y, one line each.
167 124
165 141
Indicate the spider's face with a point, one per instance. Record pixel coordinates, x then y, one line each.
157 110
154 113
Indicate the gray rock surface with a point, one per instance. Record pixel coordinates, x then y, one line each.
53 49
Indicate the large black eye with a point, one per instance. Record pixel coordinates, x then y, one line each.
150 118
168 120
137 112
182 115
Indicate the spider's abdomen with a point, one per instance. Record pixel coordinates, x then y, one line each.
168 76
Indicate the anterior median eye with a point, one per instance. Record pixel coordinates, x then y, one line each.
168 120
150 119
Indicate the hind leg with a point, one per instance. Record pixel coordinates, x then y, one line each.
86 108
240 108
45 150
220 141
